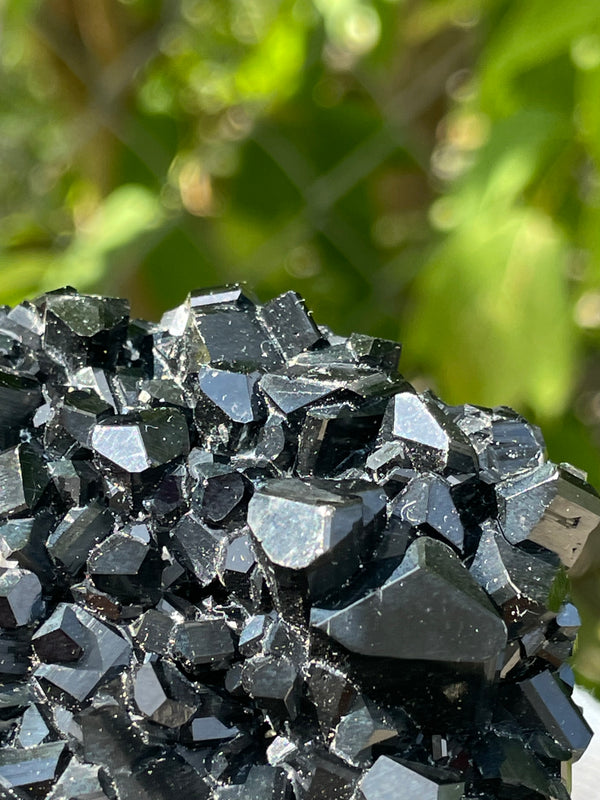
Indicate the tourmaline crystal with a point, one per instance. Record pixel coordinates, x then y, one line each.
242 558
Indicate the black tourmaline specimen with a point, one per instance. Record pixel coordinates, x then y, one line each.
241 558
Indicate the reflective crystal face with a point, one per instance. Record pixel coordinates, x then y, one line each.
388 778
20 597
297 524
241 558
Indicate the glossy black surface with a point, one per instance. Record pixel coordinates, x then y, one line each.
242 558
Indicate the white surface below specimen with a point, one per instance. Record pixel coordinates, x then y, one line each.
586 772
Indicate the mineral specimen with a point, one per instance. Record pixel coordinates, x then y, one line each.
242 558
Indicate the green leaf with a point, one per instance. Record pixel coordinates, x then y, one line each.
530 33
491 315
21 274
272 70
130 213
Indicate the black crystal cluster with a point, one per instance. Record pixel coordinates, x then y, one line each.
243 559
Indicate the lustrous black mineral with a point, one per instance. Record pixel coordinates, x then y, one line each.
242 558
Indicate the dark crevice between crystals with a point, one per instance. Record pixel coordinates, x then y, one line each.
241 558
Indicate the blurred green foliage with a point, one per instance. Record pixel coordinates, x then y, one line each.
425 170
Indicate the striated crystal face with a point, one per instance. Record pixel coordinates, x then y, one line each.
241 558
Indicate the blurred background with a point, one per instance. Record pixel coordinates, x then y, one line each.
427 170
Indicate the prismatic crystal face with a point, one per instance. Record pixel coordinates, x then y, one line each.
241 558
